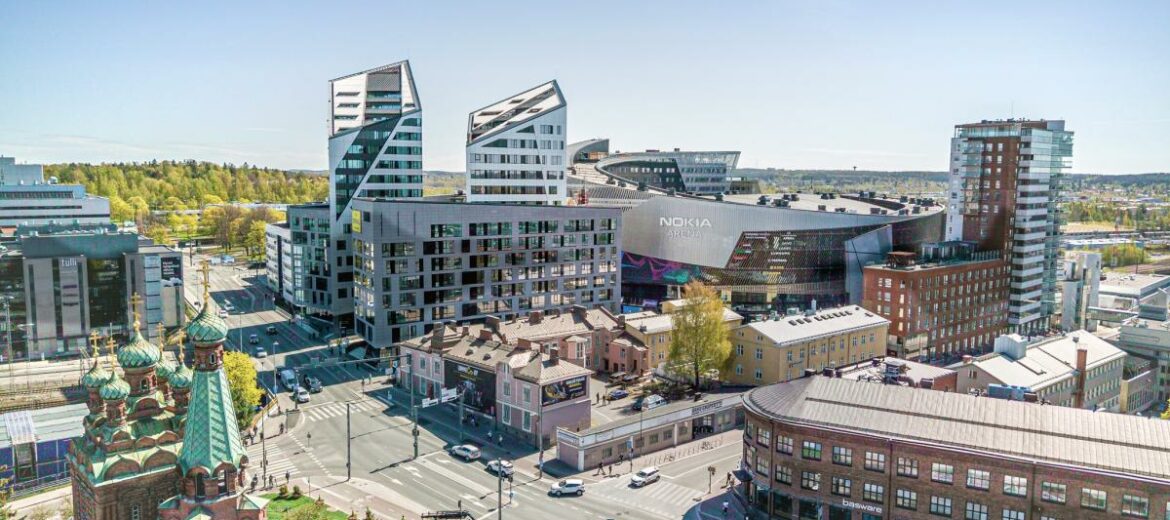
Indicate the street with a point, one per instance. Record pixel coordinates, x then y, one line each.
313 448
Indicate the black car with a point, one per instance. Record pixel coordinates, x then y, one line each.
271 330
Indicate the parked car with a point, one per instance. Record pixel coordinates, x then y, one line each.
572 486
301 395
261 353
288 378
501 467
223 313
618 393
466 452
644 476
253 339
271 330
649 402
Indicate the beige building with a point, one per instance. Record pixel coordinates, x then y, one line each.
653 330
781 349
1076 369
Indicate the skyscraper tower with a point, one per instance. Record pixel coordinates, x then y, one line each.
375 150
516 149
1005 182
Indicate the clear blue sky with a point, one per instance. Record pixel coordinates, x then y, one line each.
810 84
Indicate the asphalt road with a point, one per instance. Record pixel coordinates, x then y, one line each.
385 475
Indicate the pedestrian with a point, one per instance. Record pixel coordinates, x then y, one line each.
725 506
611 469
287 476
599 469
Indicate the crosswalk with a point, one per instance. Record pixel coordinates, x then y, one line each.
662 498
326 411
278 460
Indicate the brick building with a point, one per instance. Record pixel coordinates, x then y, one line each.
947 302
832 448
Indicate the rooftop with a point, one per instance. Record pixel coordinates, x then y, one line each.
1134 284
961 422
1047 361
649 322
824 322
910 373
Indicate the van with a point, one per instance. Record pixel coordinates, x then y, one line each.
653 401
288 378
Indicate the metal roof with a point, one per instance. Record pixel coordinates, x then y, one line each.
45 424
825 322
1100 441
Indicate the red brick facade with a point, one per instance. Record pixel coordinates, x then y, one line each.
924 481
939 310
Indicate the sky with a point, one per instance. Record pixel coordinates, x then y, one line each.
799 85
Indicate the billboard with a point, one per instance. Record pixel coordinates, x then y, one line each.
172 269
478 385
562 391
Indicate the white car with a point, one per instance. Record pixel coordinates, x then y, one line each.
644 476
261 353
466 452
572 486
500 467
301 395
223 313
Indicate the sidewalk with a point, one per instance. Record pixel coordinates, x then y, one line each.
52 501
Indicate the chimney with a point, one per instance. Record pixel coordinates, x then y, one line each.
578 311
534 317
1082 364
523 344
968 359
492 322
554 356
466 331
485 334
621 321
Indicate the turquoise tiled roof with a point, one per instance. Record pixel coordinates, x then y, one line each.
182 377
115 388
207 327
138 353
212 435
96 376
164 369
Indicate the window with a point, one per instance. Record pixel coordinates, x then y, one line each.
944 473
907 467
871 492
527 425
842 456
136 513
1052 492
1015 486
1013 514
810 480
765 437
811 450
784 475
784 444
1093 499
940 506
507 415
875 461
842 486
978 479
906 499
1135 506
976 511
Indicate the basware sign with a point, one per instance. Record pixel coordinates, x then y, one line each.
684 227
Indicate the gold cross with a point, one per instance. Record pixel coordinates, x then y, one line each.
110 349
135 300
162 335
205 269
179 337
95 344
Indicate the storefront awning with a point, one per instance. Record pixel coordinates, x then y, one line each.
742 475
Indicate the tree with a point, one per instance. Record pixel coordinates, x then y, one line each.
254 244
5 496
241 375
1166 414
120 211
698 343
309 511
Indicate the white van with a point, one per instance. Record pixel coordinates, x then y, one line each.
288 378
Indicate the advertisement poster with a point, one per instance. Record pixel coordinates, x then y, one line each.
172 270
478 386
566 390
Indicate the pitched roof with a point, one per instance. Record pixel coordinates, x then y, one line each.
212 436
1091 440
1048 361
825 322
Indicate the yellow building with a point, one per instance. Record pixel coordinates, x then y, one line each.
774 351
654 329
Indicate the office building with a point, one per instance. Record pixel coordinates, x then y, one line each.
944 302
516 149
1080 291
280 264
28 199
312 266
1076 369
419 263
1149 339
822 447
1005 183
1139 386
698 173
784 348
375 150
57 287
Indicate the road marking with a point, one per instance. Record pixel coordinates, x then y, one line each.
466 482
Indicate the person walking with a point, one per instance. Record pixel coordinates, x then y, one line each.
287 477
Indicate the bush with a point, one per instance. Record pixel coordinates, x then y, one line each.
296 492
282 493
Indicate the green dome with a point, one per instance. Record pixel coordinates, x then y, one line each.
96 375
182 377
139 353
115 388
164 369
207 327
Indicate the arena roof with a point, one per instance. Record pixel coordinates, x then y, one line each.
1066 436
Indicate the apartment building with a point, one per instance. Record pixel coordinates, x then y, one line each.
28 199
784 348
653 330
516 149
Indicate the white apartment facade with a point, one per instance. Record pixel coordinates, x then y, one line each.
516 149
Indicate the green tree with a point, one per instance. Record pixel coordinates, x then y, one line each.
5 496
1166 414
120 211
254 244
698 343
309 511
241 375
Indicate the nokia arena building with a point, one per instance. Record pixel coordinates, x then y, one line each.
766 254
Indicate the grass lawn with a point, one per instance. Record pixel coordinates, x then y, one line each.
278 508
